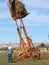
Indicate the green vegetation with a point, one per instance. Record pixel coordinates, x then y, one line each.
42 44
4 60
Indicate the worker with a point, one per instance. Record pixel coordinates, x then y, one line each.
9 54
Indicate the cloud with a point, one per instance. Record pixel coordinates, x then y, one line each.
37 15
39 12
4 15
34 16
37 3
3 4
7 29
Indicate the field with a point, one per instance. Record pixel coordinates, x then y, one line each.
4 60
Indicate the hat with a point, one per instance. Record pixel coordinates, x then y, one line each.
9 47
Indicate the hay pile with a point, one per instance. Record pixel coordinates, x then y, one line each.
17 7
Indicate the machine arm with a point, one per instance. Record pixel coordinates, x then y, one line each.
29 41
21 39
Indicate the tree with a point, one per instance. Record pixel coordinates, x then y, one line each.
42 44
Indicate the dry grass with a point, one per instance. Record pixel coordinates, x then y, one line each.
4 60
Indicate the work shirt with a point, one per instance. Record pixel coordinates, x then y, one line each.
9 51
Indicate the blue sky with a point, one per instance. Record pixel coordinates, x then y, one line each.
36 23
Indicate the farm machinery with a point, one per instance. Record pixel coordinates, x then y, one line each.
18 11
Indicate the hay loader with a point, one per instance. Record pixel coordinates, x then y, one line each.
18 11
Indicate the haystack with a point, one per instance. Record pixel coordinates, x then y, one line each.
16 7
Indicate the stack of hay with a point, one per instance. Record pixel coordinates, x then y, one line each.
16 7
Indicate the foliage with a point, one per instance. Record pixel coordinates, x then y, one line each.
42 44
47 48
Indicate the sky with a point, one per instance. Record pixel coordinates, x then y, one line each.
36 23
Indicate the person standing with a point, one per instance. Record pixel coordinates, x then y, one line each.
9 54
